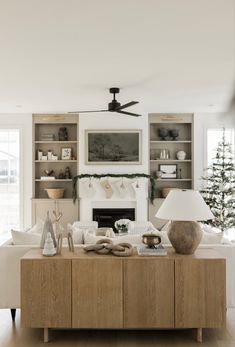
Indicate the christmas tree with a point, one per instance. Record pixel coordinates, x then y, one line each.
220 184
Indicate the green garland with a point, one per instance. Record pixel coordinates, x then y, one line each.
131 176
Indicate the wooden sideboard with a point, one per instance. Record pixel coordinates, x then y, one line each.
80 290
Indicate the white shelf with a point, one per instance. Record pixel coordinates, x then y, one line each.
176 141
56 142
171 160
55 161
55 180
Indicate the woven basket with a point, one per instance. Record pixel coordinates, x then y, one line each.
55 193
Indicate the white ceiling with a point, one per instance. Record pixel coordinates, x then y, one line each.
171 55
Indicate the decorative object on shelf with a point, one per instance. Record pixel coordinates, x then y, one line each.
49 154
168 170
66 153
68 235
49 248
179 173
61 175
184 208
159 174
121 225
44 157
47 228
49 173
181 155
166 190
54 157
174 133
106 246
40 154
163 133
151 239
219 187
55 193
107 188
130 176
63 134
164 154
113 147
67 173
153 154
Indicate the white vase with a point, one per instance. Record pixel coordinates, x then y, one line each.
181 155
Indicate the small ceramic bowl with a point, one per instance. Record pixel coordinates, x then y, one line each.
151 239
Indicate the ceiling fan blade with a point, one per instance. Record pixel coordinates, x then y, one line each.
87 111
129 113
128 105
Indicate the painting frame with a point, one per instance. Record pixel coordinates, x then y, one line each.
66 153
132 159
172 171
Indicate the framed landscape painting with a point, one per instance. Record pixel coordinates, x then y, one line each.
115 147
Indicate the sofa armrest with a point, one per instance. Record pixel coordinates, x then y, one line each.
10 256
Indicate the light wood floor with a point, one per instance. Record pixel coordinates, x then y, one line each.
12 335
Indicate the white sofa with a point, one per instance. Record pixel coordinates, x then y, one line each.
10 271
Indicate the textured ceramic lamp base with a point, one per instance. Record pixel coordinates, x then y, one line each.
185 236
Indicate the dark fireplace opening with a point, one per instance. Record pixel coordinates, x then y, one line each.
106 217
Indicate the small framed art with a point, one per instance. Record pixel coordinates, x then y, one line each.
66 153
168 171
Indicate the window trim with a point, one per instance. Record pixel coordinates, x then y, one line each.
21 167
205 148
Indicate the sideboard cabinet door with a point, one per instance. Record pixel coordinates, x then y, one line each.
46 293
149 293
97 300
200 293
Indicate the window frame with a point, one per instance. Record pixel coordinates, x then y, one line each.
21 167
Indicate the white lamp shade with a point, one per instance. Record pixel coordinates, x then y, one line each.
184 205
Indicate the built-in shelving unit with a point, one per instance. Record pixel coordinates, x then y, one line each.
45 126
184 142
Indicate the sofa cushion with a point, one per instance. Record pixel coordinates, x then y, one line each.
25 238
77 234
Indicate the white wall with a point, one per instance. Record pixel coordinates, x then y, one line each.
203 121
24 122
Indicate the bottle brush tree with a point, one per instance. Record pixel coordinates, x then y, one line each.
219 187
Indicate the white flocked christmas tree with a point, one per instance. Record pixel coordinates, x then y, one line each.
49 249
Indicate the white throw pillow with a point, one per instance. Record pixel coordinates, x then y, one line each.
36 228
141 227
25 238
77 234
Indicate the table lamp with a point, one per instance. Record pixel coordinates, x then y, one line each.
184 208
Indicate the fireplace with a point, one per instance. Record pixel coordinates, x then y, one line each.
106 217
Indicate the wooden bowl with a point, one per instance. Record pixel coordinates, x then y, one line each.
55 193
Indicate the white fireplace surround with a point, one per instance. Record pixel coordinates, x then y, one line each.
134 195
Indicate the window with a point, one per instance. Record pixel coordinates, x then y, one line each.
214 136
9 180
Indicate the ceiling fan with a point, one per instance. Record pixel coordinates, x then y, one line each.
115 106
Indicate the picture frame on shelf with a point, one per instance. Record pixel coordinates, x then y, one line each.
113 147
66 153
168 171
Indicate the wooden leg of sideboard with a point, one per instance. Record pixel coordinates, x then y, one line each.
199 334
46 335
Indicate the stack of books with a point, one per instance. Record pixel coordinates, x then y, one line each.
158 250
